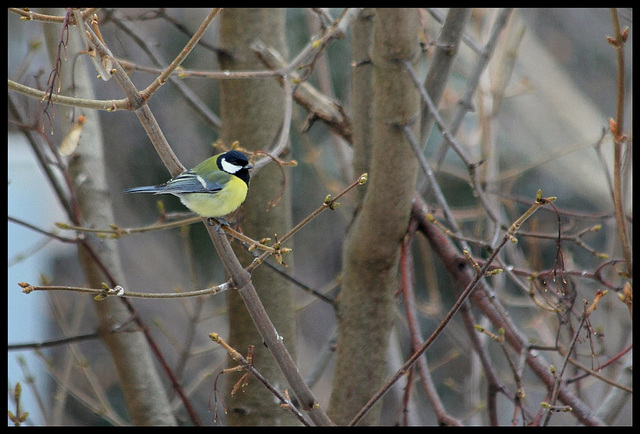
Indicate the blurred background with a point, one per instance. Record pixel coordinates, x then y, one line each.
558 99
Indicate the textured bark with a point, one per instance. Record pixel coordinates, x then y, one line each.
371 249
140 383
252 112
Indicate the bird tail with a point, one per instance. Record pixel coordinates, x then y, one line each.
146 189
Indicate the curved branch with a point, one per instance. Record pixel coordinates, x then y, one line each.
95 104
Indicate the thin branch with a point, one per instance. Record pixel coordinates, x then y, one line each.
468 40
28 15
319 105
189 95
80 396
619 139
329 203
53 343
434 185
454 309
558 378
490 306
408 297
119 291
448 135
285 402
474 79
442 63
162 79
107 105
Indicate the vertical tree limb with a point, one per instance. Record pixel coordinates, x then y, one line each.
371 249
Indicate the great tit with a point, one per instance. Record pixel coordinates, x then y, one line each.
214 188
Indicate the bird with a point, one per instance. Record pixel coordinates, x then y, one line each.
214 188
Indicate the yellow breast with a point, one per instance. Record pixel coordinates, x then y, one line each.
219 204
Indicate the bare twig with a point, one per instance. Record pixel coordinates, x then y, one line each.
474 79
317 104
408 296
491 309
329 203
619 139
28 15
119 291
248 366
162 79
450 139
108 105
189 95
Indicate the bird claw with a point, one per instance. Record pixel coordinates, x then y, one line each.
211 221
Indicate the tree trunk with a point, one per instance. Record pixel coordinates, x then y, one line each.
371 249
140 383
252 112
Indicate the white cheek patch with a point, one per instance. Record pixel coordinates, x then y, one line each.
201 181
228 167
